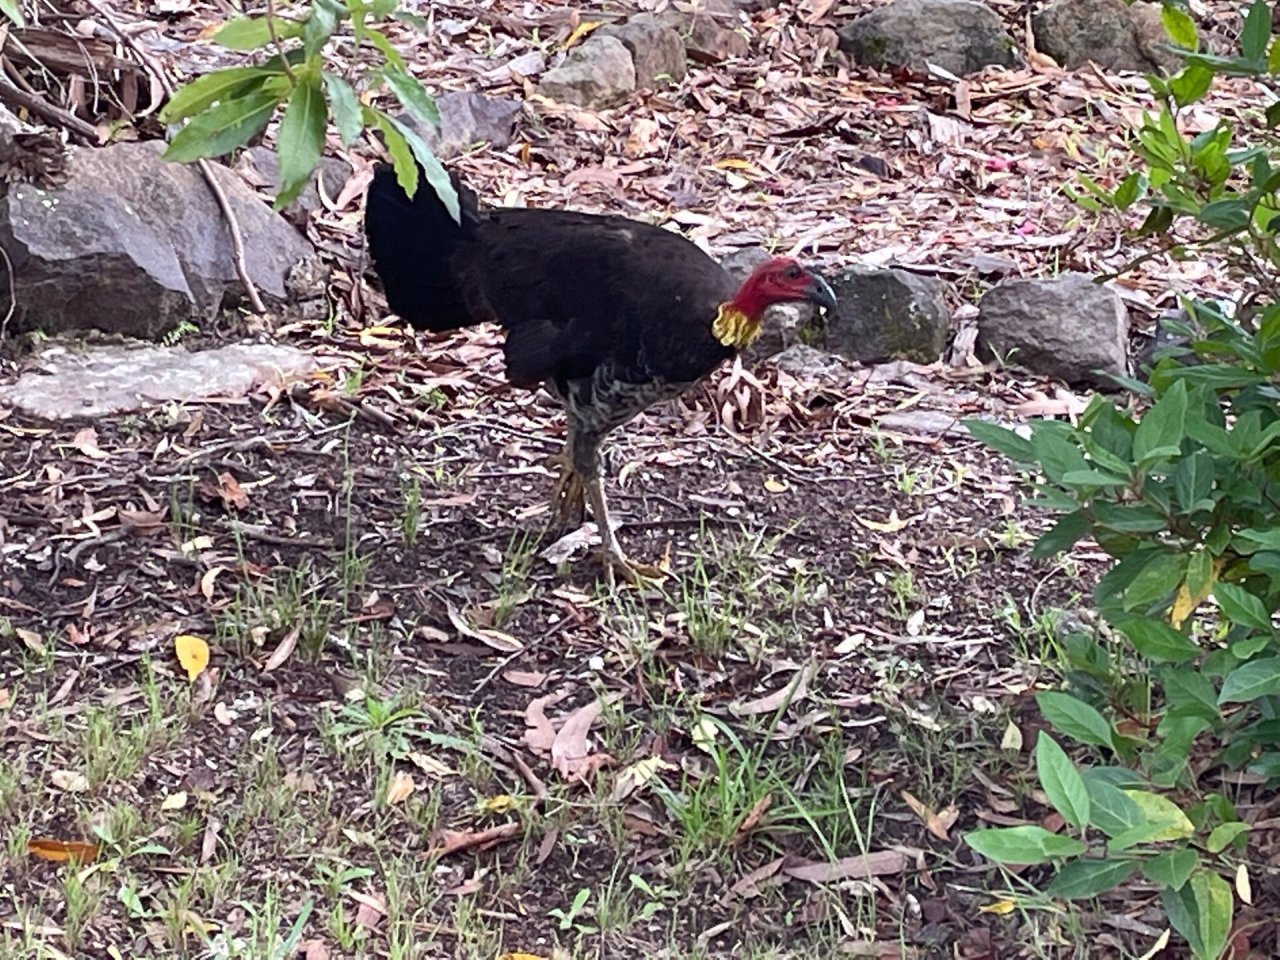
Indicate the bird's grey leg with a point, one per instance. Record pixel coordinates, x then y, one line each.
586 464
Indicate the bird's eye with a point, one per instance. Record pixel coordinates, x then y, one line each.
793 273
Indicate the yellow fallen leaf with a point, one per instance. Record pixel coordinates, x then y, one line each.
999 908
502 803
737 163
892 525
60 851
400 787
1243 886
521 956
193 654
174 801
776 486
581 31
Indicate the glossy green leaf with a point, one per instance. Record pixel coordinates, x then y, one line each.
1252 680
1163 820
222 128
1082 879
1023 845
1002 439
1112 811
1172 868
1061 781
1074 718
300 141
411 93
1224 834
221 85
345 107
250 33
1161 429
1062 535
1158 641
1180 27
1256 31
1241 606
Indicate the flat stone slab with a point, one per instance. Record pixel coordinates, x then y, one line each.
75 381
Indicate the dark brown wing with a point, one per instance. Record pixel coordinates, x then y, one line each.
576 290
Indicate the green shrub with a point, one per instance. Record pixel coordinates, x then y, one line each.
224 109
1179 482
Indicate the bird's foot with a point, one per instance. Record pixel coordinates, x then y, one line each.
568 501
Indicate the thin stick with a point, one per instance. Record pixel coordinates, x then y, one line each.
43 108
206 169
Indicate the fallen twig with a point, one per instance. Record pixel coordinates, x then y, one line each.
48 111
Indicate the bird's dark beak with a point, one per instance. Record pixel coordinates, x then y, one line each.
820 294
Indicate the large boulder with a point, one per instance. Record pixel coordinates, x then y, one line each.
1111 33
960 36
468 118
133 245
598 73
1067 327
657 51
887 314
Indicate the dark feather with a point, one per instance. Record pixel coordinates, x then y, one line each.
575 291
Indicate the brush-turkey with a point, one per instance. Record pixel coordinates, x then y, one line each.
608 314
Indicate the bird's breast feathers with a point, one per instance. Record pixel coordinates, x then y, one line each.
733 328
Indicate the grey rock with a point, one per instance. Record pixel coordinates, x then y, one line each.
657 51
742 261
133 245
960 36
1068 327
260 167
887 314
1112 34
468 118
596 74
708 29
812 366
72 382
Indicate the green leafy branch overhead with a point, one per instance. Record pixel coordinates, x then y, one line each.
225 109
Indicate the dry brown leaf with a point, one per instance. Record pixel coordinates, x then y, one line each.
753 818
525 678
86 441
569 750
453 841
231 492
69 781
937 823
882 863
502 642
540 735
792 693
399 788
751 884
283 649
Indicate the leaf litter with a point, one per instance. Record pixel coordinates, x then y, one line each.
901 541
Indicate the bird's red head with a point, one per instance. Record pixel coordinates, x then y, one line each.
781 280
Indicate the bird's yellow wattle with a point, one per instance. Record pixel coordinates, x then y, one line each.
733 328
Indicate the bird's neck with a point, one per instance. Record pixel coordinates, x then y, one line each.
734 327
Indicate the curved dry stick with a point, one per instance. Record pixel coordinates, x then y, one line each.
206 169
